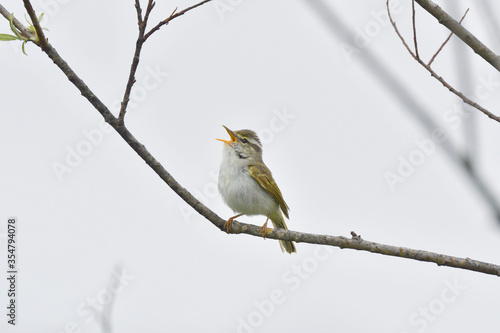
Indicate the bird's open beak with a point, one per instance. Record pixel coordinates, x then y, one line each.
231 134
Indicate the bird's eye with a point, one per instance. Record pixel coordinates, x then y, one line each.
244 140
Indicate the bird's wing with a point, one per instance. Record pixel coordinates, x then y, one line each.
263 176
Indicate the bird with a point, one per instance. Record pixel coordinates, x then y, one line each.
247 186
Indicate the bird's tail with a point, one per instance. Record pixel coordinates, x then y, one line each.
279 222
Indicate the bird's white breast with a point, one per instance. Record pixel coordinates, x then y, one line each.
240 191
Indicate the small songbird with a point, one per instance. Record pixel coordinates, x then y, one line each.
247 185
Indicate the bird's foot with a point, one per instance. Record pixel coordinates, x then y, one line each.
227 225
264 230
229 222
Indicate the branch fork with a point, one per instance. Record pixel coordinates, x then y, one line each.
427 66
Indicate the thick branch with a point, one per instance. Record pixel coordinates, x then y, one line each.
462 33
34 19
355 242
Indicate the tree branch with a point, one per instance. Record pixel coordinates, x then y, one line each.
142 23
414 28
172 16
464 98
34 20
141 39
462 33
355 242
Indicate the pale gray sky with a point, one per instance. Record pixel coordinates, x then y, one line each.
96 224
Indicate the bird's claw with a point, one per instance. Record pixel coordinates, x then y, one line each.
229 222
227 225
264 230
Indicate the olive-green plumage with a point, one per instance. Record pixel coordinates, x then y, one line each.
247 185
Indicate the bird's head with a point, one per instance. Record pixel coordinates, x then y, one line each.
245 144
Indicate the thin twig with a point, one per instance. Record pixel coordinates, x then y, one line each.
151 5
355 243
435 75
446 41
468 38
172 16
397 32
138 11
414 28
141 39
142 23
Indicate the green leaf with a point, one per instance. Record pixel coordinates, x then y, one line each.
6 37
13 28
24 43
